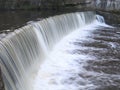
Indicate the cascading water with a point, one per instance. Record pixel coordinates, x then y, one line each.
23 51
107 4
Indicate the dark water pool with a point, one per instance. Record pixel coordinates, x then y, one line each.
15 19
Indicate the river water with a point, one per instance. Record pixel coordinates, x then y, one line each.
103 69
88 60
106 49
16 19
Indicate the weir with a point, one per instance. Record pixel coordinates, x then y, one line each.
22 51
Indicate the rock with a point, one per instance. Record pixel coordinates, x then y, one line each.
106 5
37 4
110 18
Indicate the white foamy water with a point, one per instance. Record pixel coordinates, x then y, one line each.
61 70
46 46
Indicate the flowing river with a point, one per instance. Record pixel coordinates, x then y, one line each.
74 51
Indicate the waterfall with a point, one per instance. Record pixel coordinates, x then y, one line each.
100 18
24 49
107 4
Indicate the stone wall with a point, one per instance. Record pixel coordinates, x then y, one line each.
110 18
109 9
33 4
106 4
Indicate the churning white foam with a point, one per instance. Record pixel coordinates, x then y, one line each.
60 71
